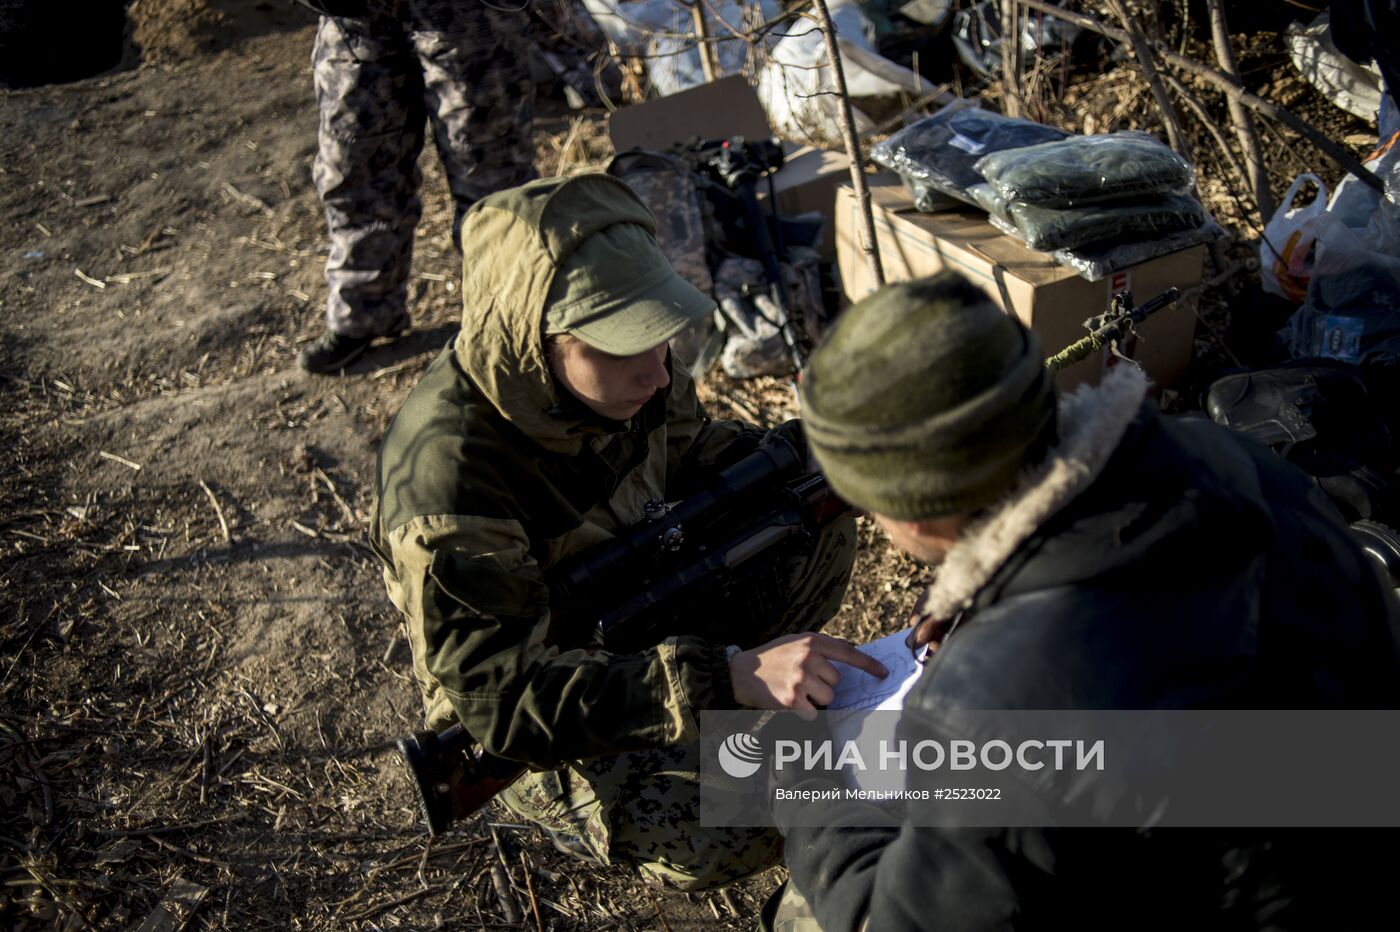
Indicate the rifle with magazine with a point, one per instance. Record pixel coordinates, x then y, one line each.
643 586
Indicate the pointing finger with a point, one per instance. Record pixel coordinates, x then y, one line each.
845 652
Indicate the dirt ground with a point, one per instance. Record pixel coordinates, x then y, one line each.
201 677
201 674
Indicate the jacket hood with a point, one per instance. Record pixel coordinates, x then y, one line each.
514 242
1092 421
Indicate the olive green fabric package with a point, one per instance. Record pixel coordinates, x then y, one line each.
1050 228
1087 170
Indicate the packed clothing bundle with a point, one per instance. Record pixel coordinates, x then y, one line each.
937 155
1087 170
1084 190
1099 203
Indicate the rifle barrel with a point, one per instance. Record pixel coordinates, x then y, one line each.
1115 329
594 569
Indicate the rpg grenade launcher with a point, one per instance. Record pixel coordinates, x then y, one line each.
664 576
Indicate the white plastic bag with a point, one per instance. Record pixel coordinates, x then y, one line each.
661 32
1352 312
1285 254
1354 202
797 87
1356 88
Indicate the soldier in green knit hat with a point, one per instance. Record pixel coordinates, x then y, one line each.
926 406
1093 554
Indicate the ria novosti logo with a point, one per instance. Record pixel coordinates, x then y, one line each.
741 755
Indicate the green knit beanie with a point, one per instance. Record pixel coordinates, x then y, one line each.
925 400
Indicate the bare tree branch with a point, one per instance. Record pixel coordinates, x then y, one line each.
1240 116
848 131
1142 51
1270 109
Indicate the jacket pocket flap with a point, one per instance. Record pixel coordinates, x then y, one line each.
485 587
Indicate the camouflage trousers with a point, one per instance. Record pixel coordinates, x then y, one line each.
643 808
379 80
787 910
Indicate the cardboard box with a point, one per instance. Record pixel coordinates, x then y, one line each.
729 107
1049 298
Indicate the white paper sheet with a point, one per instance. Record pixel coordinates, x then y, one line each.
860 690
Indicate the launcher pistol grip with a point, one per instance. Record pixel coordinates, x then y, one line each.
452 777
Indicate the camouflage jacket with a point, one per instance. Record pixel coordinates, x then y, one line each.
490 474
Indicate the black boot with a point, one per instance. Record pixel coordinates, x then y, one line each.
332 353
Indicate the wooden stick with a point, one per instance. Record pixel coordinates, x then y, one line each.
1010 60
709 58
97 283
1258 175
119 459
247 200
309 532
389 651
500 882
1272 110
655 903
335 495
170 829
530 888
126 278
187 853
217 510
391 370
51 886
939 95
1143 53
390 904
1196 107
869 246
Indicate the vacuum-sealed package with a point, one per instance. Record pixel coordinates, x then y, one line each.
940 151
986 197
1100 260
1087 170
928 199
1049 228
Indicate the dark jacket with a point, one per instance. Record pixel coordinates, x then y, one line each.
1152 563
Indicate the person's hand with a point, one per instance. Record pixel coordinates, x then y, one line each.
795 672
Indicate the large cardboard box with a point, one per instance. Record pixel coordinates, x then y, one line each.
729 107
1050 299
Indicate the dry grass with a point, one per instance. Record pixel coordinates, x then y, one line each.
200 676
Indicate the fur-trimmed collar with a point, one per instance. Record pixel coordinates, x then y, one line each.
1092 421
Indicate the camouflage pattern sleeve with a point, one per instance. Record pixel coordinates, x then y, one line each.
477 610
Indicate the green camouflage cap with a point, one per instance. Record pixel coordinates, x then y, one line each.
617 293
925 400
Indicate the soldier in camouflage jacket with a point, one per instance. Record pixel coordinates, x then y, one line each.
508 457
